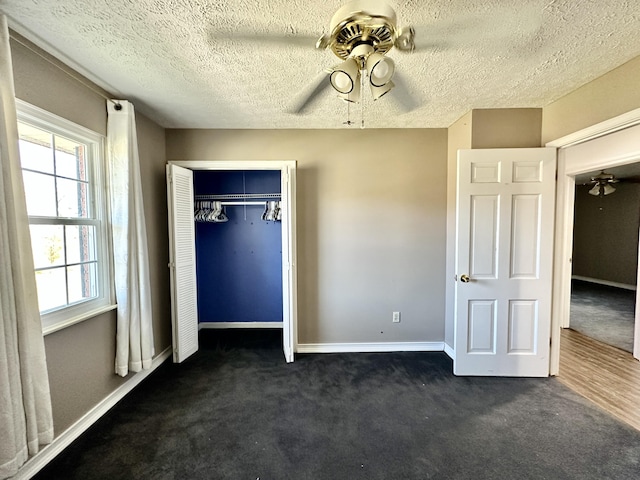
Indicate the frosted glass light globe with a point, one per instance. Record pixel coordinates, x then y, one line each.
342 82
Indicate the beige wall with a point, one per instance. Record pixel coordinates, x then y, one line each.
606 97
506 127
605 240
371 210
42 84
151 148
81 358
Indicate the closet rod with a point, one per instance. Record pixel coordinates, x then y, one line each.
237 196
233 204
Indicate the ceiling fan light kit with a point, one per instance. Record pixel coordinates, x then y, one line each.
377 92
380 69
344 77
600 190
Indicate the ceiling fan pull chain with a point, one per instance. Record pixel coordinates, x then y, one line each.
348 122
362 82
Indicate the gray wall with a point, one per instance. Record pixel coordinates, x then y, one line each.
605 234
81 358
371 208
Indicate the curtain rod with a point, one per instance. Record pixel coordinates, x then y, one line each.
19 40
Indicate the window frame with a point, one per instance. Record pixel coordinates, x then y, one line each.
68 315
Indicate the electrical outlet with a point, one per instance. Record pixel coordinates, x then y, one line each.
396 317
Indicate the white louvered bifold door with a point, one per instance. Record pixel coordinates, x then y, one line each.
182 263
289 289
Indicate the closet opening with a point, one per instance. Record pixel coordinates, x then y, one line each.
238 248
232 249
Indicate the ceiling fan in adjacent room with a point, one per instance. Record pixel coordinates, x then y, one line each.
602 184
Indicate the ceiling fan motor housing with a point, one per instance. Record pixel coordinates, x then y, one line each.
363 22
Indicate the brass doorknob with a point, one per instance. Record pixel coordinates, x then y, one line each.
465 278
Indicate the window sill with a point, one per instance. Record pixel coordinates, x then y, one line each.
77 319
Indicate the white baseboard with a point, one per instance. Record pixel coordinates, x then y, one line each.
626 286
62 441
370 347
202 325
449 351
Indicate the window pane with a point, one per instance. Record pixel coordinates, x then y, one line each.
47 244
36 152
82 282
73 198
70 159
40 191
81 243
51 288
60 163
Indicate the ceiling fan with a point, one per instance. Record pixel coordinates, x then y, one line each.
602 184
362 32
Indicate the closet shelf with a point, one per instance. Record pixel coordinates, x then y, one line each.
237 196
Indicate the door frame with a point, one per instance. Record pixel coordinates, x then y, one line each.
619 144
289 252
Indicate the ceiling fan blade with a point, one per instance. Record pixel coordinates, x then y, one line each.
401 95
295 40
313 89
475 30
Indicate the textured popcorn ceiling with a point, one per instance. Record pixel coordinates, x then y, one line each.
175 60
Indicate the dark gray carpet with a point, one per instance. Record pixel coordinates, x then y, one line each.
604 313
236 410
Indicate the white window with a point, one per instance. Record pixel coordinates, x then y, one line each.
62 169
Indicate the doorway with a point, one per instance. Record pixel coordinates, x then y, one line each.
605 255
597 149
182 251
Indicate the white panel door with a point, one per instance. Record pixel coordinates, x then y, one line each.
182 262
505 217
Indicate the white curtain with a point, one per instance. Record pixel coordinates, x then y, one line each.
25 402
134 340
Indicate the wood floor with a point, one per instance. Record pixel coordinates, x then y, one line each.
606 375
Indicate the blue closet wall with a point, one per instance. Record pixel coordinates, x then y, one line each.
239 262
